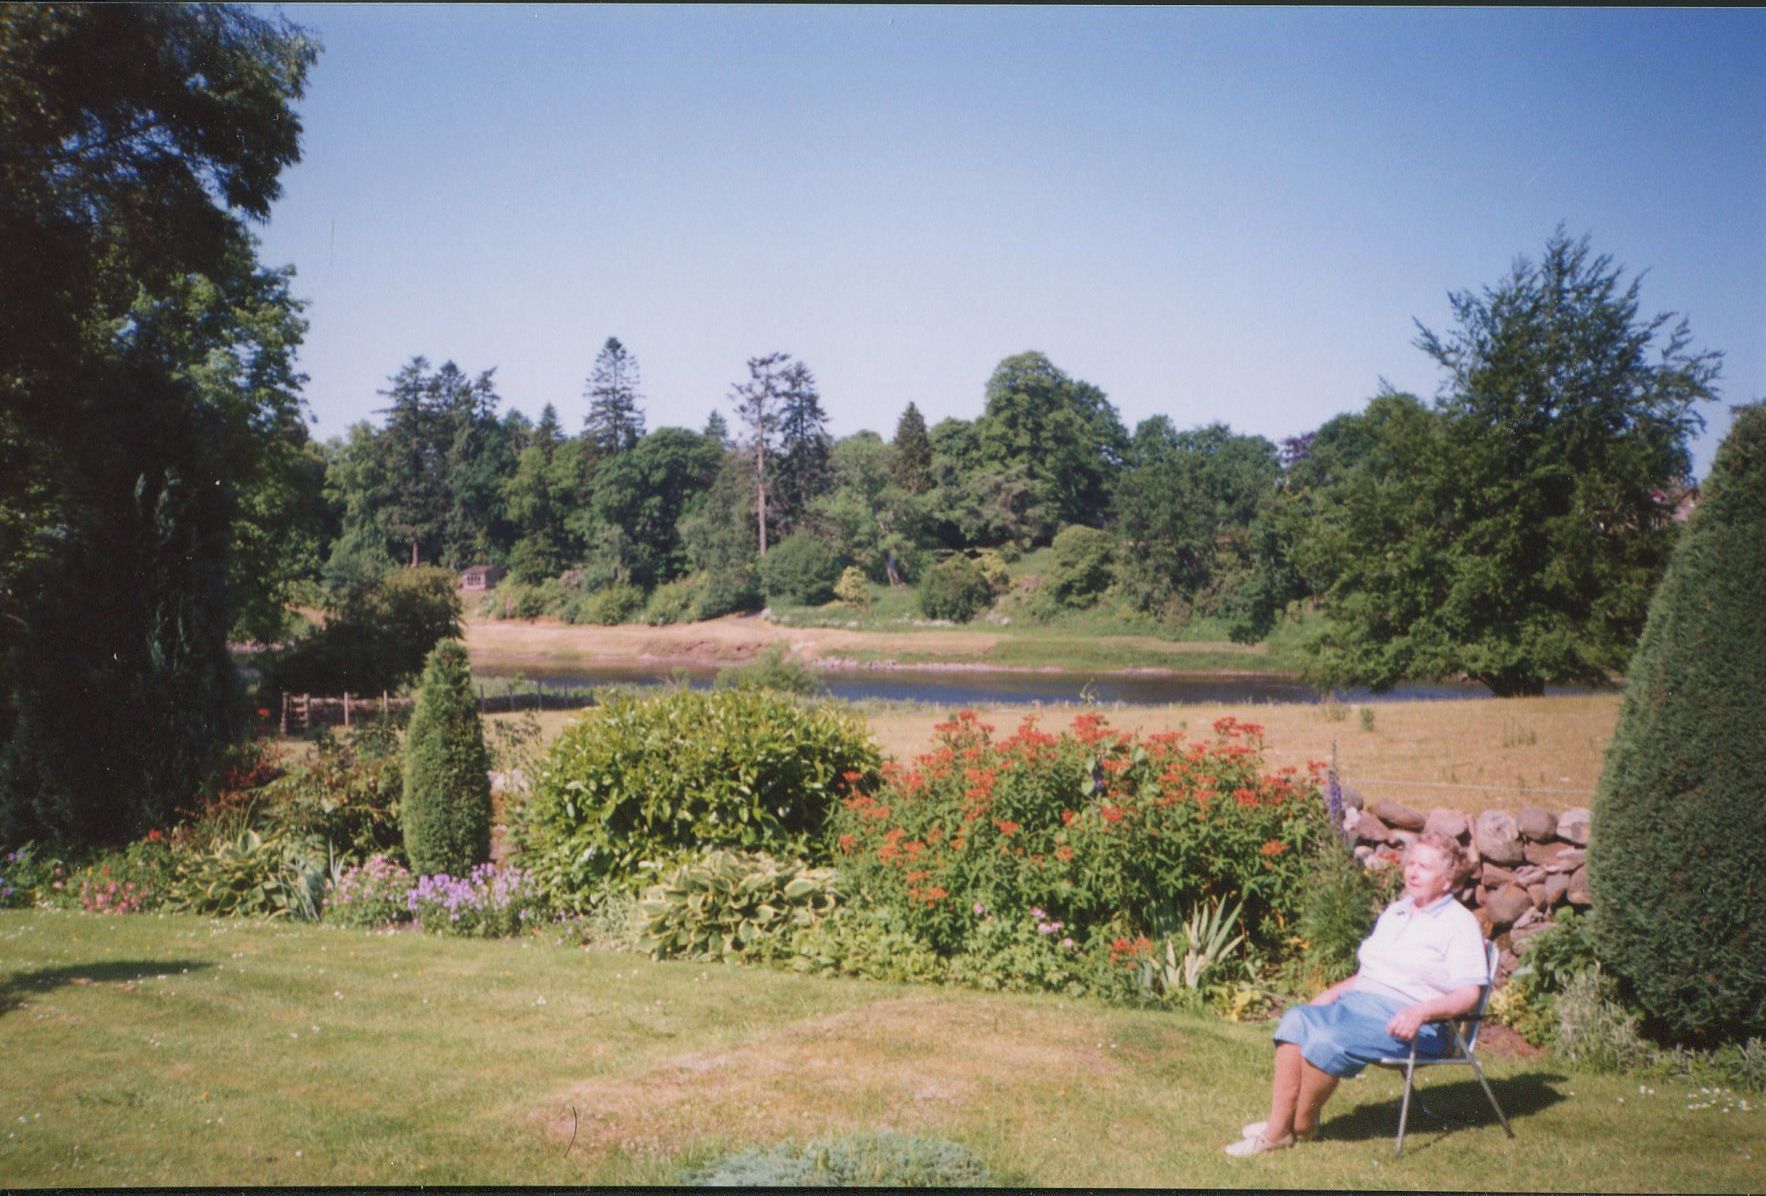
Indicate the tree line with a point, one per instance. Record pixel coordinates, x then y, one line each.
160 492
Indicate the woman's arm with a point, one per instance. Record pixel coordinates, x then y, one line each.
1334 991
1406 1022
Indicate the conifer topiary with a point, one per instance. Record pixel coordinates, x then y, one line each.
1677 863
446 812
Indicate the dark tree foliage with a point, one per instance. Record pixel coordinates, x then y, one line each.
1675 863
955 589
446 809
913 452
441 459
376 636
801 570
151 453
804 470
1563 422
1084 566
1062 432
718 535
640 497
614 422
717 430
1184 510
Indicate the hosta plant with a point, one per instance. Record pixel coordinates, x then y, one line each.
251 875
728 904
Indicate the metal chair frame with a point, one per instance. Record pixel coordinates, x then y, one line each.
1465 1045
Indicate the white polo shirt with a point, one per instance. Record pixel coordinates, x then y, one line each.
1420 954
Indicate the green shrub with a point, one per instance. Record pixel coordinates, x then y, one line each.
1100 829
376 638
446 809
1675 864
1548 962
252 875
726 905
1083 566
800 571
853 588
773 669
860 942
1026 952
674 601
1337 911
1594 1028
609 606
658 779
134 879
347 792
885 1159
994 568
954 589
28 876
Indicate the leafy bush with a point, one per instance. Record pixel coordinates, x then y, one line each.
347 792
133 880
773 669
1337 911
674 601
1683 914
1031 952
489 902
252 875
853 588
1595 1030
659 779
1083 566
856 941
954 589
886 1159
1102 829
800 571
1549 961
376 638
994 568
609 606
370 894
28 875
446 808
728 904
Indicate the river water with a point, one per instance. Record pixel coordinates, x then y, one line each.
980 687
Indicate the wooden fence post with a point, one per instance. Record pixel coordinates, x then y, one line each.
306 712
285 714
346 707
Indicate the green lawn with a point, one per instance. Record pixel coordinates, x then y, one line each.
158 1050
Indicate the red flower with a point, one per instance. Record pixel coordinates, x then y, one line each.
1067 817
846 842
1007 826
1063 853
1111 813
1273 848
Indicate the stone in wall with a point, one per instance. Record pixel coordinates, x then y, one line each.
1498 838
1546 855
1398 816
1506 904
1537 824
1451 823
1556 885
1573 826
1369 829
1577 894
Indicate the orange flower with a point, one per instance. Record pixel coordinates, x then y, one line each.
846 842
1063 853
1111 813
1067 817
1007 826
1273 848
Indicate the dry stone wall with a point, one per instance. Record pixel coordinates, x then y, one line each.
1525 866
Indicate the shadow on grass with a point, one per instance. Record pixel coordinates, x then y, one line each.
1457 1106
19 985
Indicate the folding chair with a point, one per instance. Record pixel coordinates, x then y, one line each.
1464 1054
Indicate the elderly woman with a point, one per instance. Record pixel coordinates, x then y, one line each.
1424 960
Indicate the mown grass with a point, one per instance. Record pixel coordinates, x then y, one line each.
150 1050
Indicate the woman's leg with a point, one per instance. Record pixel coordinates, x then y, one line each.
1284 1097
1316 1087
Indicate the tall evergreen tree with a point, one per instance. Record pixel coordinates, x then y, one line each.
614 421
1675 864
804 472
757 404
717 430
913 452
446 811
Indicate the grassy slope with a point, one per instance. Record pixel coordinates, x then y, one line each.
167 1050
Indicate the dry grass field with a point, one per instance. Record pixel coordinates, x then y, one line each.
1471 754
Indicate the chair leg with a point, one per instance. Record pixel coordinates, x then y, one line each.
1404 1109
1478 1070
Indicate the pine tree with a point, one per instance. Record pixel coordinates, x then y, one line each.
615 421
1675 863
446 812
913 452
804 470
757 405
716 429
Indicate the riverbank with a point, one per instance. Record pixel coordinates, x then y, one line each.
506 645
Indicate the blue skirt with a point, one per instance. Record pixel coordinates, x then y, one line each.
1345 1036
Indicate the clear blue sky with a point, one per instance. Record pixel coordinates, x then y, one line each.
1217 214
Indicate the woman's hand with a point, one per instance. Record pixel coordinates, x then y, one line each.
1407 1021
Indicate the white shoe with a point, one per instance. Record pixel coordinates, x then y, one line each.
1258 1144
1255 1129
